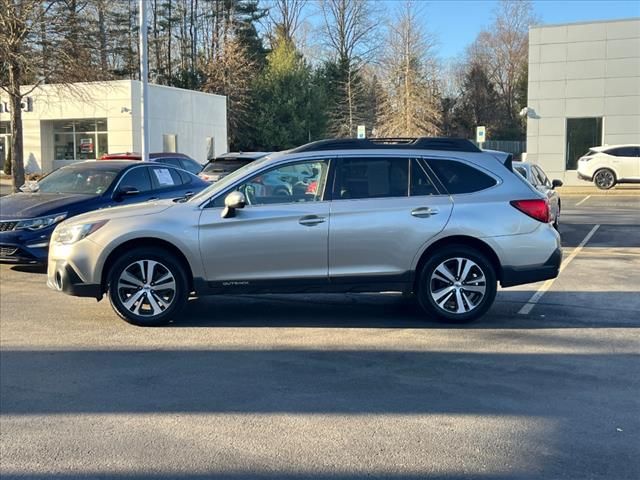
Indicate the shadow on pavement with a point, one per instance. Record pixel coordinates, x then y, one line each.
396 311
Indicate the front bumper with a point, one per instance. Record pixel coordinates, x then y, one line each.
62 277
512 276
24 246
582 176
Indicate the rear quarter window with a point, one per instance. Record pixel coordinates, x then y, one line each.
458 177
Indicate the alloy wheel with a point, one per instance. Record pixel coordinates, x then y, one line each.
458 285
604 179
146 288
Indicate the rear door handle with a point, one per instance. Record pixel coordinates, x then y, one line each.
424 212
311 220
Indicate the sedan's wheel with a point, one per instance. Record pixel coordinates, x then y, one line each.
457 285
604 179
147 287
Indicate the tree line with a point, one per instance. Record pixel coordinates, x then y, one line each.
292 70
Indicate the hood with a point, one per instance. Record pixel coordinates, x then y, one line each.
31 205
134 210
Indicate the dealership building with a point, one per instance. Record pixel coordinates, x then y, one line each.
584 90
69 123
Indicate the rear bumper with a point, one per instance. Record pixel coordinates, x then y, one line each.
512 276
63 278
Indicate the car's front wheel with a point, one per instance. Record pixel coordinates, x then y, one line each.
604 179
147 287
457 284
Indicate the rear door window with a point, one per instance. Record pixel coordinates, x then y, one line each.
190 166
358 178
459 177
421 182
622 152
174 162
165 178
137 178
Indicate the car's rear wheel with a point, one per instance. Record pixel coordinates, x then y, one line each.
457 284
604 179
147 287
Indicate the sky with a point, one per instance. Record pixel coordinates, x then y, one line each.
457 22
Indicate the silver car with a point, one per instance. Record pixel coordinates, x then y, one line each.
536 177
434 217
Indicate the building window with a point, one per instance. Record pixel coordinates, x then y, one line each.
582 134
169 142
80 139
5 128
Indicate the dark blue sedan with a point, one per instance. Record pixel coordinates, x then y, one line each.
27 219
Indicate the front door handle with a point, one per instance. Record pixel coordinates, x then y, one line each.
424 212
311 220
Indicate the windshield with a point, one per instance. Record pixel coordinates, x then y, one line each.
86 181
229 179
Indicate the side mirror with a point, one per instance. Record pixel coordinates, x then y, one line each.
125 191
232 202
556 183
30 186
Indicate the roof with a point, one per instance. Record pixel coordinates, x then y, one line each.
103 164
586 22
241 155
138 156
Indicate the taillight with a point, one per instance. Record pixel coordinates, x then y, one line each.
537 209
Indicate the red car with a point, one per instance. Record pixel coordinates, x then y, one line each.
178 160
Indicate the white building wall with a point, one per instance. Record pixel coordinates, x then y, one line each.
110 100
192 116
582 70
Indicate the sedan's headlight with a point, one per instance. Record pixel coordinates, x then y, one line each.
41 222
67 235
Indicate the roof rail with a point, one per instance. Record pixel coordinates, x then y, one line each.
420 143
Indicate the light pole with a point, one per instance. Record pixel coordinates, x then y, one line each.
144 81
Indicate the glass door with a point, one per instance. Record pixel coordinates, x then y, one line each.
582 134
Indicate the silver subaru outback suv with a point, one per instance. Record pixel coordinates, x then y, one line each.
435 217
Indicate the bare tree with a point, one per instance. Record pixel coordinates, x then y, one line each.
348 26
285 15
19 20
410 106
231 73
503 50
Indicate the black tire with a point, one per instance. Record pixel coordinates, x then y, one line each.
429 281
161 263
605 179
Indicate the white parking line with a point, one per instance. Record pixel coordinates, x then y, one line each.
535 298
583 200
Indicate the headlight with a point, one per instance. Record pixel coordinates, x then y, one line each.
67 235
40 222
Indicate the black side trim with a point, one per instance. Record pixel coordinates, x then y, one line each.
512 276
584 177
358 283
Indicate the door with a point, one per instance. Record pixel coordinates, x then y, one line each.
625 161
280 236
383 210
136 178
167 183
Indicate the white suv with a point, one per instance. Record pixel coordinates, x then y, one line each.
610 164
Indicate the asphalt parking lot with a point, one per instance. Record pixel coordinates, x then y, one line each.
547 385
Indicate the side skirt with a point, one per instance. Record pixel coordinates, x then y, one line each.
358 283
